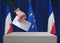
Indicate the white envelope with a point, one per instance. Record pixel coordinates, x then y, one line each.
23 25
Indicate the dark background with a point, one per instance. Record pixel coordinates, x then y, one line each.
3 16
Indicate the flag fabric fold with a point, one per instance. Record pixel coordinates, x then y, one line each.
31 18
8 22
51 20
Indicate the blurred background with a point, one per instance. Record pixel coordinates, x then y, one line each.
49 7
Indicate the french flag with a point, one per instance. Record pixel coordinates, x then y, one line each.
8 22
51 21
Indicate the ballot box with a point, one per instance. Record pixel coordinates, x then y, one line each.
29 37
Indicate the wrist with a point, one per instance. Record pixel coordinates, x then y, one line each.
16 10
19 12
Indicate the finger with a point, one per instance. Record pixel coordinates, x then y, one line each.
19 20
24 16
23 19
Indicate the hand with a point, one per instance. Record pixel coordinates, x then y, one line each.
22 15
22 18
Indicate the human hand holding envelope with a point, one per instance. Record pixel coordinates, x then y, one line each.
25 25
